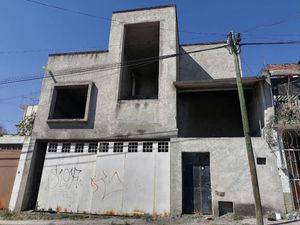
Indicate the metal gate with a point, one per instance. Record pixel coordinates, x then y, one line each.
293 164
196 183
291 142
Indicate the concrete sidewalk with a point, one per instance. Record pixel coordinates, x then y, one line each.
135 221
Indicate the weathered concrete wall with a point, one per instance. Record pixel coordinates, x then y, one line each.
229 173
206 65
110 117
22 172
106 183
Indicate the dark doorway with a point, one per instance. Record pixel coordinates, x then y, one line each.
196 183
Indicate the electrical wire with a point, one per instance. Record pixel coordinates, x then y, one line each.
107 19
271 24
131 63
270 43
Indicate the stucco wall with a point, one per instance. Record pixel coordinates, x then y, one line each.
106 183
206 65
229 173
110 117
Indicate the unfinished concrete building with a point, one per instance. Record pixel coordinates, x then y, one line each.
125 131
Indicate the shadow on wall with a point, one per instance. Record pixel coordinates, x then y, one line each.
81 125
189 69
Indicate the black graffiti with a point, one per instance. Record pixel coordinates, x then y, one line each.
64 177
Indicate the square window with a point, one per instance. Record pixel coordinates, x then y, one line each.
70 103
104 146
118 147
93 147
79 147
163 146
147 147
52 147
66 147
132 147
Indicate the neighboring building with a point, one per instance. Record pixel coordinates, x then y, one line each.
285 80
117 134
10 151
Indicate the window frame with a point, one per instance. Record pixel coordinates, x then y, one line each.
65 86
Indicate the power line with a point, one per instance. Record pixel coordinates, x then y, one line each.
108 19
69 10
132 63
270 43
270 24
76 49
139 62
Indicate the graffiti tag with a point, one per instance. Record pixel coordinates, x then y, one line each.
64 177
107 184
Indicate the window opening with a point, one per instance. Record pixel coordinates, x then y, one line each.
104 146
118 147
261 160
66 147
79 147
69 102
93 147
147 146
141 41
132 147
163 146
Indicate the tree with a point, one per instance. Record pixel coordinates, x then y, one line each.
2 130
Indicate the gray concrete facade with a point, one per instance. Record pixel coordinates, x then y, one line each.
229 173
112 119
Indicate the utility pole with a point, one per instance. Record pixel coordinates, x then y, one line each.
235 50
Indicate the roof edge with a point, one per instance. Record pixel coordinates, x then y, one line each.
78 53
144 8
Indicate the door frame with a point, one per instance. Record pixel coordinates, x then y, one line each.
182 179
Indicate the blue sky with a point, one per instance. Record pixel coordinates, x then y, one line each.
29 32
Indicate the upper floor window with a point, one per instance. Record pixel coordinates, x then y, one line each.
139 76
70 102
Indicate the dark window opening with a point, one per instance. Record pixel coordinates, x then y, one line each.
104 147
216 114
79 147
52 147
66 147
261 161
147 146
225 207
93 147
132 147
69 102
118 147
139 80
163 146
11 146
